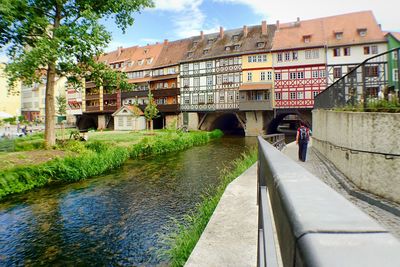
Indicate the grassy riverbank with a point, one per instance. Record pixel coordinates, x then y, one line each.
185 236
84 160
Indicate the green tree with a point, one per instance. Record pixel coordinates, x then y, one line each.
62 105
151 111
64 38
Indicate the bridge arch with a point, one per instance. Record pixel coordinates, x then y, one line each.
230 123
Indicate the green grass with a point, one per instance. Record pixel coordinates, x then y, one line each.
185 235
94 158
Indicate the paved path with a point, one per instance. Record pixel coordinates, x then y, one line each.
230 238
320 167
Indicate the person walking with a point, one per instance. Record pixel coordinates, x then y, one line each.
302 139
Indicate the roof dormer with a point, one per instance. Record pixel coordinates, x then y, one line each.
338 35
362 32
307 38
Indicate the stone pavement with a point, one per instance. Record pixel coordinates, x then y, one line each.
230 238
381 210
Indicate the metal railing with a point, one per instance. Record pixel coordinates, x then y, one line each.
314 225
365 85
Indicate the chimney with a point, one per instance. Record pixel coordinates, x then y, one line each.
245 31
165 41
277 25
221 32
264 28
119 50
201 35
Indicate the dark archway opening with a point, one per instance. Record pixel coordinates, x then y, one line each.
86 122
229 124
158 123
287 124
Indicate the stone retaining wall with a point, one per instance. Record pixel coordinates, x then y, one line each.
338 135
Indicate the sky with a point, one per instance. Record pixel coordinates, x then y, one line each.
176 19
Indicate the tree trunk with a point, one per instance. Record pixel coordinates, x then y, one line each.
49 132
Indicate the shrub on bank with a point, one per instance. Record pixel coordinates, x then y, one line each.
94 158
185 235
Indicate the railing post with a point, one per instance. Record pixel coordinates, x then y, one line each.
364 88
398 75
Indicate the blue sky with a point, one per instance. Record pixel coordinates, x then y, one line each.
175 19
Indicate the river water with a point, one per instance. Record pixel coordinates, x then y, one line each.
114 219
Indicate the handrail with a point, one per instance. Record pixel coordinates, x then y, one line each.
315 225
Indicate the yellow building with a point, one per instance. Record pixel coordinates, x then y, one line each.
9 102
256 91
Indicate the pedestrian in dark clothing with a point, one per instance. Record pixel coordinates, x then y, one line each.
302 139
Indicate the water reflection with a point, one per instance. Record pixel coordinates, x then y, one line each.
114 219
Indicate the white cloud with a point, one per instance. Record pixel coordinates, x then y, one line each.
386 12
3 58
187 17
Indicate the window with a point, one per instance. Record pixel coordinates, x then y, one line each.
315 93
260 44
259 58
227 48
209 65
149 60
307 38
346 51
337 72
395 75
196 81
250 59
339 35
196 66
394 55
186 100
315 74
300 95
292 95
374 49
230 96
308 54
292 75
190 54
300 75
262 76
205 51
294 55
222 98
266 95
336 52
279 57
235 38
236 47
322 73
195 99
210 41
362 32
185 67
269 75
209 80
278 96
219 79
287 56
201 99
140 62
366 50
278 76
371 71
249 76
315 53
185 82
210 99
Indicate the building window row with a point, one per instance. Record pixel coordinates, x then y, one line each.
288 56
257 58
371 49
337 53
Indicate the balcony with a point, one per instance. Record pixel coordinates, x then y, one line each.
92 109
110 96
92 96
255 104
165 92
134 94
168 107
110 108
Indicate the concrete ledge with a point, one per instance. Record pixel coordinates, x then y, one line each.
230 238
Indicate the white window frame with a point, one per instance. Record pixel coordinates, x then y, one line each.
279 57
249 76
262 76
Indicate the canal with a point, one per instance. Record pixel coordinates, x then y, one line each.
114 219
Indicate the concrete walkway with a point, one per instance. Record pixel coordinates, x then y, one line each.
369 203
230 238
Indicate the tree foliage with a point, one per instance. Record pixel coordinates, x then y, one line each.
62 105
64 38
151 111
